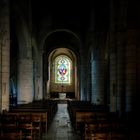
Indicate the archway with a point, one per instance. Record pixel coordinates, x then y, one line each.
62 82
59 44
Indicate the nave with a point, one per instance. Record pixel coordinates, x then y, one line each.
39 120
61 127
71 120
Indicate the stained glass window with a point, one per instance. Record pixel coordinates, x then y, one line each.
62 69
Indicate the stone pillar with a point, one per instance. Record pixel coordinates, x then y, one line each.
25 87
90 74
4 54
25 81
0 73
130 71
98 66
137 101
120 89
121 44
89 83
138 68
113 71
112 59
82 77
92 80
38 79
98 71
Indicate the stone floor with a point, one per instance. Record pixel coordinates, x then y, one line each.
61 128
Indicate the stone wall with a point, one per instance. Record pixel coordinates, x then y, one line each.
4 54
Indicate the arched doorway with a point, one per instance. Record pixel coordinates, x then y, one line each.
58 44
62 82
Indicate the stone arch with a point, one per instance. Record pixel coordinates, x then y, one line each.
61 41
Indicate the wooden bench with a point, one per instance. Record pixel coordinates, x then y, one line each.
82 116
9 127
33 117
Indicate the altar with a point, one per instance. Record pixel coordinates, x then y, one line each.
62 96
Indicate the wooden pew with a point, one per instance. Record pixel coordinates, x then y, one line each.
82 116
11 136
9 127
32 122
30 125
39 106
39 115
25 125
85 115
46 108
35 114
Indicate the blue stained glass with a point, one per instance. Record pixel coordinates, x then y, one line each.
62 69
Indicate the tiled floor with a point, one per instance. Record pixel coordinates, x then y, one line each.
61 128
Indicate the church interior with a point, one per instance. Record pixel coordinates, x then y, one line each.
69 70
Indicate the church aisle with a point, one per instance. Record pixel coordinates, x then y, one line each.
61 128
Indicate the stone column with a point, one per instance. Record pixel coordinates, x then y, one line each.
88 78
82 77
137 101
112 59
121 44
89 83
130 70
38 78
98 82
92 80
138 67
25 88
120 89
99 70
25 81
113 71
0 73
4 54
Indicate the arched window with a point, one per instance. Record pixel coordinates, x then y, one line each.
63 68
